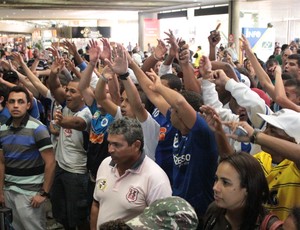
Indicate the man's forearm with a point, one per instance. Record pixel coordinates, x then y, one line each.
94 215
49 171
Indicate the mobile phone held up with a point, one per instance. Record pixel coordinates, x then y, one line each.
9 57
240 132
180 44
215 32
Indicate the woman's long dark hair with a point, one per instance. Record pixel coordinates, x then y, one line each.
253 179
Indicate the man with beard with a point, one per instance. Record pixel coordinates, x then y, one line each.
69 191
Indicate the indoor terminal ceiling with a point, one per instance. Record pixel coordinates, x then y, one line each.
130 5
101 9
68 9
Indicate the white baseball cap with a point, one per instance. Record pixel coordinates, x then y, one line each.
286 119
245 80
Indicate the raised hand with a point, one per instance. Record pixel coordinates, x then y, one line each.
57 65
212 118
184 54
106 52
219 77
171 39
69 64
245 43
160 50
214 38
234 125
107 72
155 79
70 46
54 51
205 67
120 63
17 58
94 52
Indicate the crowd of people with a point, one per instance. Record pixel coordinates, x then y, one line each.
124 140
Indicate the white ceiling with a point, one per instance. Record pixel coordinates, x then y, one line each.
55 10
98 9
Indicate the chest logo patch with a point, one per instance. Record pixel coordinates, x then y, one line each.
132 194
102 184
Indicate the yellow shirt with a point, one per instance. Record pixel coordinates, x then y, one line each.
197 60
284 184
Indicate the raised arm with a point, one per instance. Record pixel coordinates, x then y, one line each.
42 89
101 91
280 94
227 68
120 68
72 49
278 146
214 38
54 84
145 82
214 121
177 102
86 75
261 74
157 55
189 80
166 66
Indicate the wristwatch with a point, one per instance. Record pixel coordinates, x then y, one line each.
124 76
254 136
44 194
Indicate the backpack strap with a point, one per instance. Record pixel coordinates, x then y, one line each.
265 222
267 225
276 225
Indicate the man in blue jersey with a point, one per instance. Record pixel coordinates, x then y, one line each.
27 163
194 147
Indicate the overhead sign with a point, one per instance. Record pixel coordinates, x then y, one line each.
262 41
91 32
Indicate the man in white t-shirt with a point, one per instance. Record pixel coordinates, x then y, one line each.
128 181
69 190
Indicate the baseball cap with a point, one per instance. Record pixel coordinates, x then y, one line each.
167 213
286 119
262 95
244 79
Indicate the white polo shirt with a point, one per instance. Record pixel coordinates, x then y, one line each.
127 196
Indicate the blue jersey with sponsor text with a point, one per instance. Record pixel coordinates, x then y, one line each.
195 162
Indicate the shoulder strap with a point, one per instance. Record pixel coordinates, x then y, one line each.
276 225
265 222
273 226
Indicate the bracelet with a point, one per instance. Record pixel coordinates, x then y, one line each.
124 76
104 78
253 137
156 58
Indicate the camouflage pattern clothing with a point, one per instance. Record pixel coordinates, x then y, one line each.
168 213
